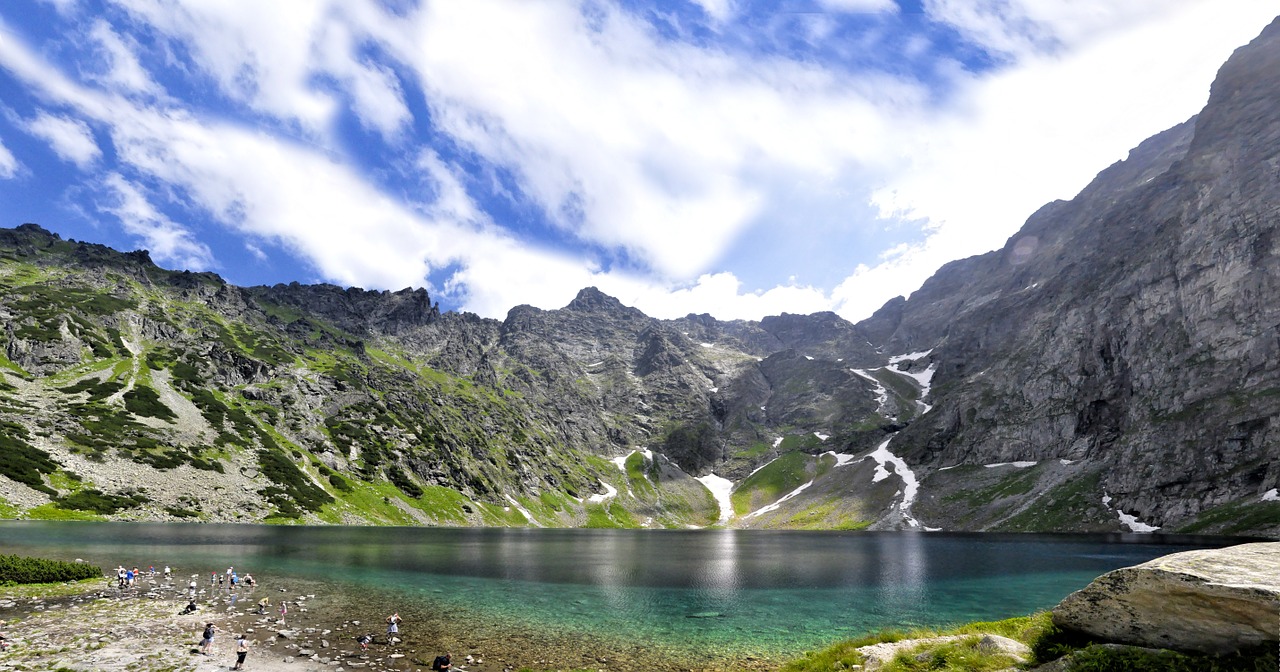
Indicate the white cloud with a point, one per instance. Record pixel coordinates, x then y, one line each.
8 164
1040 130
70 139
665 150
165 240
1021 28
722 294
64 6
123 71
718 10
859 6
269 56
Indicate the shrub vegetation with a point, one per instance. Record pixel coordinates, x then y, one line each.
16 569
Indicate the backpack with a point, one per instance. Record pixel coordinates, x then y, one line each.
439 663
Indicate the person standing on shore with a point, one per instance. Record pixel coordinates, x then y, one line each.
206 643
242 649
393 627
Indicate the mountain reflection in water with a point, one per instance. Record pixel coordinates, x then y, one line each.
733 592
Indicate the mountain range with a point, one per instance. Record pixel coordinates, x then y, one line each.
1113 368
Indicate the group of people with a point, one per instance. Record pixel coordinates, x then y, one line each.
128 578
443 662
231 579
242 645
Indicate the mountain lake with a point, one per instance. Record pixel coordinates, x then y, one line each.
697 597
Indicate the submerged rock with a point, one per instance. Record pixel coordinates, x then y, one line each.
1210 601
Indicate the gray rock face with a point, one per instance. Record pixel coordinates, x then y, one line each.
1211 601
1115 366
1132 330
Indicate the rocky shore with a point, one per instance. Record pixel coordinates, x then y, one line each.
96 626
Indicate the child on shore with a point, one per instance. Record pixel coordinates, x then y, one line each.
393 627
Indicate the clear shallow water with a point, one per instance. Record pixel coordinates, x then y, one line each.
711 592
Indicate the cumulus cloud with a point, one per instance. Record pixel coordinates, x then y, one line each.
665 150
165 240
653 150
1037 131
69 138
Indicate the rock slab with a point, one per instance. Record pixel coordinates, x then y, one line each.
1209 601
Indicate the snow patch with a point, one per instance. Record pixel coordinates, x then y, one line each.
753 471
841 458
883 457
774 506
720 489
950 467
622 461
808 358
714 390
821 436
523 511
882 394
609 493
1134 524
707 345
595 364
1020 465
1129 521
777 442
914 355
1271 496
922 378
1066 461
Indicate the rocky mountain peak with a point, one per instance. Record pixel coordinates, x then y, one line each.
592 300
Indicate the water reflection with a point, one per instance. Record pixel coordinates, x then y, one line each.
703 590
904 571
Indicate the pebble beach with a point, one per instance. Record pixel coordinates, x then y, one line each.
98 626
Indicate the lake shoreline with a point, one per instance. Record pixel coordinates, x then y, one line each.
98 626
562 599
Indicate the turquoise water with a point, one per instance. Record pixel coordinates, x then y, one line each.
713 592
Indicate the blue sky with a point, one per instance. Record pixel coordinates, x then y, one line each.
734 157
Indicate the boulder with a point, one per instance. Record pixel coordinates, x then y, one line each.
1210 601
875 656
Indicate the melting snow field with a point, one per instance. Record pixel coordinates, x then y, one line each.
774 506
882 457
1020 465
720 489
609 493
841 458
923 378
1127 520
523 511
882 394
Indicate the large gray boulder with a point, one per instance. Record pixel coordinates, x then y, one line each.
1211 601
